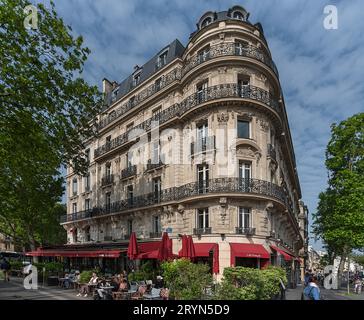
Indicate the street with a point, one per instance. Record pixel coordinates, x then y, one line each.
295 294
14 290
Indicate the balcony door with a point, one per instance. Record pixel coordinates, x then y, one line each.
244 87
202 133
245 176
201 91
157 188
203 178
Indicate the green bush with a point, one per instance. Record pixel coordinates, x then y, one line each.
186 280
147 271
85 276
241 283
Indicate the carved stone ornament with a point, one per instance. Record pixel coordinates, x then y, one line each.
245 152
261 77
180 209
264 125
222 70
223 117
245 71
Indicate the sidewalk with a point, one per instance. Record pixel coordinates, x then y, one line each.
294 294
14 290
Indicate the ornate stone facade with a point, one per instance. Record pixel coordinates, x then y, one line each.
223 95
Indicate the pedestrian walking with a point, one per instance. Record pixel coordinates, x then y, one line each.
5 267
312 290
357 285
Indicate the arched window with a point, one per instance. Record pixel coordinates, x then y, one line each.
206 22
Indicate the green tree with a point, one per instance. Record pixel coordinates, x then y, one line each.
241 283
339 219
47 113
186 280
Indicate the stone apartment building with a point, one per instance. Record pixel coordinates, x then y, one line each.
196 141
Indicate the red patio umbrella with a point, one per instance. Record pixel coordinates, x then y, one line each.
184 251
190 248
133 247
164 252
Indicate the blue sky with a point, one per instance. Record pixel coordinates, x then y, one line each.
321 71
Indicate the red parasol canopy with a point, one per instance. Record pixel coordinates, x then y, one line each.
165 249
184 251
190 248
133 247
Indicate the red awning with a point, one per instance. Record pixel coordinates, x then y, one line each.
75 254
285 254
204 249
247 250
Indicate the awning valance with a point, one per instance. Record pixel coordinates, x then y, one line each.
286 255
76 254
247 250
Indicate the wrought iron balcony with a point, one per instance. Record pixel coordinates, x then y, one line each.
222 91
77 216
166 80
246 231
199 231
230 49
203 145
107 180
174 194
219 50
128 172
155 235
154 165
272 152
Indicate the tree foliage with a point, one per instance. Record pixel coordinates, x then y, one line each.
339 219
241 283
46 115
186 280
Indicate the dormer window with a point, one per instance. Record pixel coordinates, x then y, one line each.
136 79
114 94
162 59
238 15
206 22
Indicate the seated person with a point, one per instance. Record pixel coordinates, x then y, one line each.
123 286
85 288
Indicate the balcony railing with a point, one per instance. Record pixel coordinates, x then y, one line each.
272 152
155 235
229 90
230 49
128 172
246 231
199 231
220 50
154 165
203 145
212 186
166 80
107 180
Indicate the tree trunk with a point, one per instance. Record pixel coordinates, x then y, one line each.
32 245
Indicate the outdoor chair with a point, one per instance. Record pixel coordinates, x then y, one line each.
139 294
154 295
141 283
133 287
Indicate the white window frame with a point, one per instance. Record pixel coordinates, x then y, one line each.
244 211
206 218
